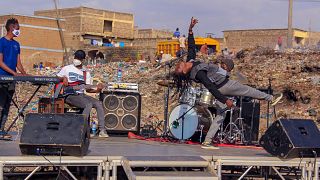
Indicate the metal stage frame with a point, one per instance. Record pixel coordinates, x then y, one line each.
109 155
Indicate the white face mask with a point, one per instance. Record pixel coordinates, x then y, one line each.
16 32
77 62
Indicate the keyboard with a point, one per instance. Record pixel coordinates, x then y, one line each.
40 80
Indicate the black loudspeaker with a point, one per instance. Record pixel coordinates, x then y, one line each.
122 111
251 120
292 138
55 134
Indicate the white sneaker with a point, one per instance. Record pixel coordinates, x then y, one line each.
276 99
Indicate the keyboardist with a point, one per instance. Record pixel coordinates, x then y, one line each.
10 62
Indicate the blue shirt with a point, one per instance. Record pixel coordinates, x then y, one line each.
176 34
10 50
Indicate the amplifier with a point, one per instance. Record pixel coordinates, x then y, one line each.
122 111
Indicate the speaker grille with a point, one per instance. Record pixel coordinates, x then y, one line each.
130 103
129 122
111 102
111 121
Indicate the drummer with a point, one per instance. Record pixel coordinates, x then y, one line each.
216 79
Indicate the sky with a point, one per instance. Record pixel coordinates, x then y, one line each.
214 15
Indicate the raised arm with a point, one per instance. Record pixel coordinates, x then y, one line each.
191 41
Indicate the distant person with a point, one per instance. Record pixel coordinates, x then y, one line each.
159 58
176 34
10 62
204 50
182 44
280 42
318 44
225 52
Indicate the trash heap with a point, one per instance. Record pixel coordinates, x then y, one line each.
294 73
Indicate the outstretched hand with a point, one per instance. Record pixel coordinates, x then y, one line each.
193 23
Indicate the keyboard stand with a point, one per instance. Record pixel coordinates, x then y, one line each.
20 112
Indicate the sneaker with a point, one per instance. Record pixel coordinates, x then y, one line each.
103 134
208 145
276 99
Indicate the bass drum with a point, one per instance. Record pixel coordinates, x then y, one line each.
194 118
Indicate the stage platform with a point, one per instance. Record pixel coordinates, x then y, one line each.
108 154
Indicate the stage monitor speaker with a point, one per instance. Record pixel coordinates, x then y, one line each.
122 111
292 138
55 134
251 119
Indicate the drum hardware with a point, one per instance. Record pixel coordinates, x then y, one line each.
168 65
234 130
201 132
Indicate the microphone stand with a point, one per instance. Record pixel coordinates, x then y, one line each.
268 106
169 65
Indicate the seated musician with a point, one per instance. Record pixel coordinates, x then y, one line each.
215 78
10 62
73 76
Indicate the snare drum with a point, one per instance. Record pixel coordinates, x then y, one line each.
206 98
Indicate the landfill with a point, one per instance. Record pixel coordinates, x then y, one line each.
295 73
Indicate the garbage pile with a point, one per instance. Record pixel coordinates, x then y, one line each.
296 74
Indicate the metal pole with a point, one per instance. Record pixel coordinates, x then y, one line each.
290 32
32 173
1 171
245 173
99 172
106 171
114 171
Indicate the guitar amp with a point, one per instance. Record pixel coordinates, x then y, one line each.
122 110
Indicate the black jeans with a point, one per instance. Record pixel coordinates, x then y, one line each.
5 102
87 103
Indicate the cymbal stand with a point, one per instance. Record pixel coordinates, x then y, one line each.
234 130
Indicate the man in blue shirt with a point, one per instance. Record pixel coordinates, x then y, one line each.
9 63
176 34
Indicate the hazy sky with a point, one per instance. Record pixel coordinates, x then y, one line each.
214 15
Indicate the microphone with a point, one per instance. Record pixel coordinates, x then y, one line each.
175 124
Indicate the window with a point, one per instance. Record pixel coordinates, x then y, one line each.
107 27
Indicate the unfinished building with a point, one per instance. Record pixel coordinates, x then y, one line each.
239 39
149 38
39 40
85 26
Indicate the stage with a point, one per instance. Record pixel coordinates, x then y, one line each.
109 154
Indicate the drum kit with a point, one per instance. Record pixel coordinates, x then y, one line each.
195 113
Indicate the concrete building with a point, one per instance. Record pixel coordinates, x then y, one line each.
239 39
149 38
39 40
83 25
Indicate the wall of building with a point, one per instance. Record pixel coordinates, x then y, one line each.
87 23
39 40
239 39
314 38
149 38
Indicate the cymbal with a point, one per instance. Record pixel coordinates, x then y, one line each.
165 83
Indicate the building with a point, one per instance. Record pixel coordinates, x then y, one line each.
239 39
87 25
149 38
39 40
